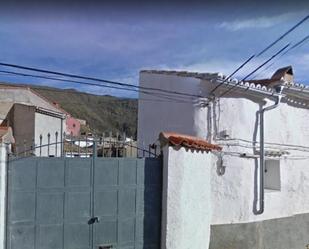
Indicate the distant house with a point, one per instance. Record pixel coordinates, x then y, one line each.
81 121
20 94
10 94
31 115
73 125
36 130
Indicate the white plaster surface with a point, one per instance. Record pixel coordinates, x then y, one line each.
3 170
186 199
45 124
233 194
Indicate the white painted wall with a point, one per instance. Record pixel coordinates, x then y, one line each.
236 189
186 208
45 124
233 194
3 170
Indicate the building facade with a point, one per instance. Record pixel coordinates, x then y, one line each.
36 131
245 212
10 94
72 126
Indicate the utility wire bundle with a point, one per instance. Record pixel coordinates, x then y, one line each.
160 94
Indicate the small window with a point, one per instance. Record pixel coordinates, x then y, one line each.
272 175
74 125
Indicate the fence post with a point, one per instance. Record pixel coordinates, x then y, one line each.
110 144
71 142
63 143
117 144
124 147
41 138
48 143
56 148
94 148
103 144
3 192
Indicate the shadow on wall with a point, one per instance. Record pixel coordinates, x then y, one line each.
152 203
290 232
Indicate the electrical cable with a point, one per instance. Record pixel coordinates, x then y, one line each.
298 44
255 70
159 95
97 79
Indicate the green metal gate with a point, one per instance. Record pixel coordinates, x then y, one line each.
84 203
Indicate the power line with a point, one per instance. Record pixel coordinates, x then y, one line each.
158 89
159 95
269 143
255 70
98 80
264 50
284 34
298 44
227 78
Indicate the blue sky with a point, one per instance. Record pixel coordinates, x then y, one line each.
116 42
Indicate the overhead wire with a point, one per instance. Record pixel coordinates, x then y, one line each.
159 95
232 74
298 44
255 70
165 90
269 143
98 80
262 52
284 35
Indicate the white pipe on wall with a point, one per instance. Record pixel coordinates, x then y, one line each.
262 151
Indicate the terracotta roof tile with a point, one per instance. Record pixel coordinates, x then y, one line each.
176 139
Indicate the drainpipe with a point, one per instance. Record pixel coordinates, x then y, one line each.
262 151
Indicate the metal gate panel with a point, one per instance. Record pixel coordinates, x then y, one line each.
50 201
128 202
78 181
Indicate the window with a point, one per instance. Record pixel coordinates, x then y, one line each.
272 179
74 125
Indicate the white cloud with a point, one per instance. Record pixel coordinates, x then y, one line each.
259 22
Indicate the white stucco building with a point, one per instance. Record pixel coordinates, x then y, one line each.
238 217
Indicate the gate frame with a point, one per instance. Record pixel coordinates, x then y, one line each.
8 158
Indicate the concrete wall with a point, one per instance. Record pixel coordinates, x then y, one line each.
3 170
186 211
28 125
290 232
21 119
167 115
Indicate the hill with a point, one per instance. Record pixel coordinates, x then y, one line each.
102 113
